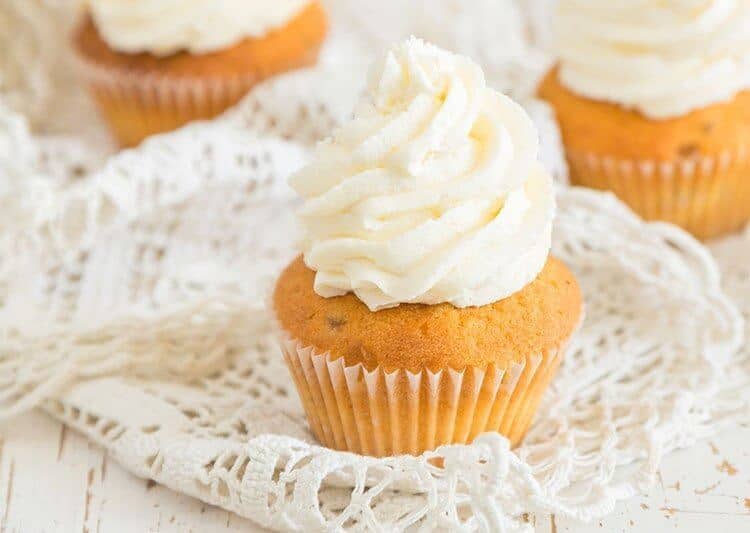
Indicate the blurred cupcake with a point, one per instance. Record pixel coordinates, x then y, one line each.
653 103
426 309
154 65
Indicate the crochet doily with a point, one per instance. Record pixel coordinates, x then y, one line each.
132 307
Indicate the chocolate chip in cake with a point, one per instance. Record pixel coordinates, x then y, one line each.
335 322
688 150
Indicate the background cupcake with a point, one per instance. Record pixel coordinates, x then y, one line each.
426 309
155 65
653 103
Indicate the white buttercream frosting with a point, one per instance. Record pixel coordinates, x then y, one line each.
432 193
163 27
663 58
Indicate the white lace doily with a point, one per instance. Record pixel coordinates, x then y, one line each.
132 308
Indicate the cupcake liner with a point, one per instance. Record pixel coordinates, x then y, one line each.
382 412
136 105
707 195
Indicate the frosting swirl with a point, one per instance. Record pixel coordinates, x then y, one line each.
432 193
163 27
662 58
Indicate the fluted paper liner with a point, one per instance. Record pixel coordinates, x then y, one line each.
708 196
136 105
383 412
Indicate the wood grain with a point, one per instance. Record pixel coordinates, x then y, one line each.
53 480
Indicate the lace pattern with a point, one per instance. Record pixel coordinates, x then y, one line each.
196 247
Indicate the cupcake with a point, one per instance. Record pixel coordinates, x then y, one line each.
425 308
653 104
154 65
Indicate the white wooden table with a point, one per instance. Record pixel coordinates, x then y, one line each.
53 480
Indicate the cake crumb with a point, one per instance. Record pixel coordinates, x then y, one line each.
707 489
727 468
670 511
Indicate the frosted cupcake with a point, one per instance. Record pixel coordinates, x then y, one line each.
154 65
425 309
653 103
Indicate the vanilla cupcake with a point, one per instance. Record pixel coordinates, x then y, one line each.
154 65
425 309
653 104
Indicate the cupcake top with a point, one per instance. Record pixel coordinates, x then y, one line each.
536 320
431 194
663 58
163 27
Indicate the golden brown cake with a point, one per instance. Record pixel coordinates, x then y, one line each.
693 170
141 94
415 336
494 362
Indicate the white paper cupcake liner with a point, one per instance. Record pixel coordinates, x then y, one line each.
707 195
383 412
137 105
